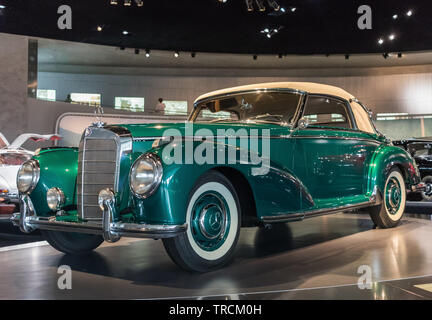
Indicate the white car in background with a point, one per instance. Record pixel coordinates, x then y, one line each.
12 156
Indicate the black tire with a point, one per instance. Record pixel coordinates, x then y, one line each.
386 215
427 195
191 250
72 243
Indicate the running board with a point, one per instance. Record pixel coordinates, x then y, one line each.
375 200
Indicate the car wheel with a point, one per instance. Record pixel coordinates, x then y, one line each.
390 212
427 194
72 243
213 216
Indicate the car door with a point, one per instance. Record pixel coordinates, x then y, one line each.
330 153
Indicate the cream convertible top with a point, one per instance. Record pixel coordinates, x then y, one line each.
361 116
308 87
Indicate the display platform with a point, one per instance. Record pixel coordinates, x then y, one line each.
315 259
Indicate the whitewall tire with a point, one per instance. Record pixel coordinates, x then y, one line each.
390 212
213 215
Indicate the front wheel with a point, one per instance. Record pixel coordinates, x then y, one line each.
427 194
213 216
390 212
72 243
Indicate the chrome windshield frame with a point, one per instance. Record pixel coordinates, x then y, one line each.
194 114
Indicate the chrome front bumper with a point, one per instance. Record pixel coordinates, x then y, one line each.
111 231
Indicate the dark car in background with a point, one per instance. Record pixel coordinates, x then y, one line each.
421 150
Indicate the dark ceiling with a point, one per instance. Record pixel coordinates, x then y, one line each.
316 26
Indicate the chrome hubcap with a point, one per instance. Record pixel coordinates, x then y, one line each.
393 196
210 221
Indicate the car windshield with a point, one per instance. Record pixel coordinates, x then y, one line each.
420 149
270 107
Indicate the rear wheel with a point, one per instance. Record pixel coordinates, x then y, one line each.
427 194
213 216
72 243
390 212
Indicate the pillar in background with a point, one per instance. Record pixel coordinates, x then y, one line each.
13 85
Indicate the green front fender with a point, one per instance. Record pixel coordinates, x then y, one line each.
58 168
273 193
384 159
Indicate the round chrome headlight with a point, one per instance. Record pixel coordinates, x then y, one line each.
28 176
145 175
55 198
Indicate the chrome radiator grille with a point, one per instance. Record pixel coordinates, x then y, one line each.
97 169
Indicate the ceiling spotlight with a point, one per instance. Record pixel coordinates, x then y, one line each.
147 54
137 51
99 28
347 57
409 13
127 3
392 37
139 3
2 6
113 2
222 1
273 4
380 41
385 55
282 9
260 5
255 57
176 54
125 32
249 5
268 35
400 55
193 54
293 9
395 16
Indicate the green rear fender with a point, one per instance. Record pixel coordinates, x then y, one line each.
385 158
58 168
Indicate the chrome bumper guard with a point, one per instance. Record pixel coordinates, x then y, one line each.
111 231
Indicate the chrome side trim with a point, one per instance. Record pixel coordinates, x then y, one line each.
375 199
336 138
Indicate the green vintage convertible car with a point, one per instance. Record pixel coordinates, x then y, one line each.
247 156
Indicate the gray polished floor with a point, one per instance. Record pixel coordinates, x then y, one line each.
314 259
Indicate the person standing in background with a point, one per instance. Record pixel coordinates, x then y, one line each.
160 107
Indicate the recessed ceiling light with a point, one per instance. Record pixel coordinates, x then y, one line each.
147 53
127 2
392 37
2 6
113 2
125 32
176 54
282 9
380 41
99 28
139 3
293 9
409 13
395 16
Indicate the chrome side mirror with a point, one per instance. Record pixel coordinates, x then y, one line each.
303 123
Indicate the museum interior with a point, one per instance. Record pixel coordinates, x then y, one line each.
333 98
